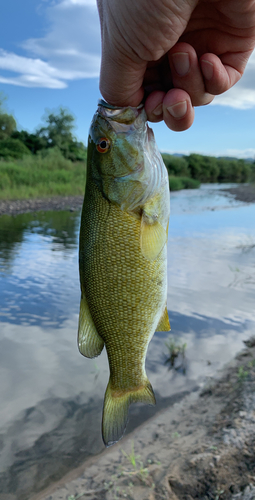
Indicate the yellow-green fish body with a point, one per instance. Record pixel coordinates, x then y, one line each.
123 240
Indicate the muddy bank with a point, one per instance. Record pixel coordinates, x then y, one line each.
14 207
201 448
242 192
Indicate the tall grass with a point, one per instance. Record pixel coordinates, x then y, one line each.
177 183
47 173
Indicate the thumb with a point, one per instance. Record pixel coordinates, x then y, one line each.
121 81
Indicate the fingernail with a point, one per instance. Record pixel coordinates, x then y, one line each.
207 69
178 110
181 63
158 110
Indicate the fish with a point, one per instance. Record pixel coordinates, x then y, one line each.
123 256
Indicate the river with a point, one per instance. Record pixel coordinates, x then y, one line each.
51 396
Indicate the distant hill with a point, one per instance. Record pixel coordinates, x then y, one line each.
231 158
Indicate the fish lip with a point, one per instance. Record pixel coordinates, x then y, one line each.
126 115
106 105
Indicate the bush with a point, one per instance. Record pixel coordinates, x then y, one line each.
31 141
47 173
176 165
177 183
12 148
203 168
189 183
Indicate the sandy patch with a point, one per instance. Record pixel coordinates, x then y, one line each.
201 448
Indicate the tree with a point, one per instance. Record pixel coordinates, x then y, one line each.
31 141
7 125
59 132
12 148
176 165
7 122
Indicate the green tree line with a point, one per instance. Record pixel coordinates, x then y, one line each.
209 168
56 133
50 161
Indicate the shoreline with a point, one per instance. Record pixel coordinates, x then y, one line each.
16 207
201 447
243 192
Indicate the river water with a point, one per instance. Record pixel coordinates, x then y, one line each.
51 396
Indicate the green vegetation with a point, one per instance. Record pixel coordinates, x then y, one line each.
138 467
176 351
201 168
47 173
177 183
242 374
51 161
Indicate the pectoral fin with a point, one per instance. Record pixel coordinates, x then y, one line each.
164 325
153 238
89 341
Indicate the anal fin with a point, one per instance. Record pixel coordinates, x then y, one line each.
164 325
89 341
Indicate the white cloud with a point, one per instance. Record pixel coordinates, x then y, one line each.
70 49
68 3
32 72
38 73
239 153
242 95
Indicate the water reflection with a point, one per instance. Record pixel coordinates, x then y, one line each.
176 355
60 226
50 416
34 278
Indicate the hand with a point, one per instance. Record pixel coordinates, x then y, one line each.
174 55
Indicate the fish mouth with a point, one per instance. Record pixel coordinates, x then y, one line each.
112 108
126 115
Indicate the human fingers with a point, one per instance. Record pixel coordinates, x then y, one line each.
186 73
121 84
221 73
174 107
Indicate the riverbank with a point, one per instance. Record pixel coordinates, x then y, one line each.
243 192
202 447
15 207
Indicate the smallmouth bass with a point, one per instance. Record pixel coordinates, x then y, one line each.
122 256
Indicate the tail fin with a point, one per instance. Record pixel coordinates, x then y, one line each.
116 404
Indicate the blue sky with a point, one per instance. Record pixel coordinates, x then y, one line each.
50 57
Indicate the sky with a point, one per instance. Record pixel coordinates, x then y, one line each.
50 57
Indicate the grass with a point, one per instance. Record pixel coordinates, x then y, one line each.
175 350
139 469
242 374
48 173
177 183
41 175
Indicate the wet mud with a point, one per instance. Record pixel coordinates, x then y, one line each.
14 207
201 448
245 193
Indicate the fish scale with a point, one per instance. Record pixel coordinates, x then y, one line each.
123 295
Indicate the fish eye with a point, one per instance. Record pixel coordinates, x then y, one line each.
103 144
